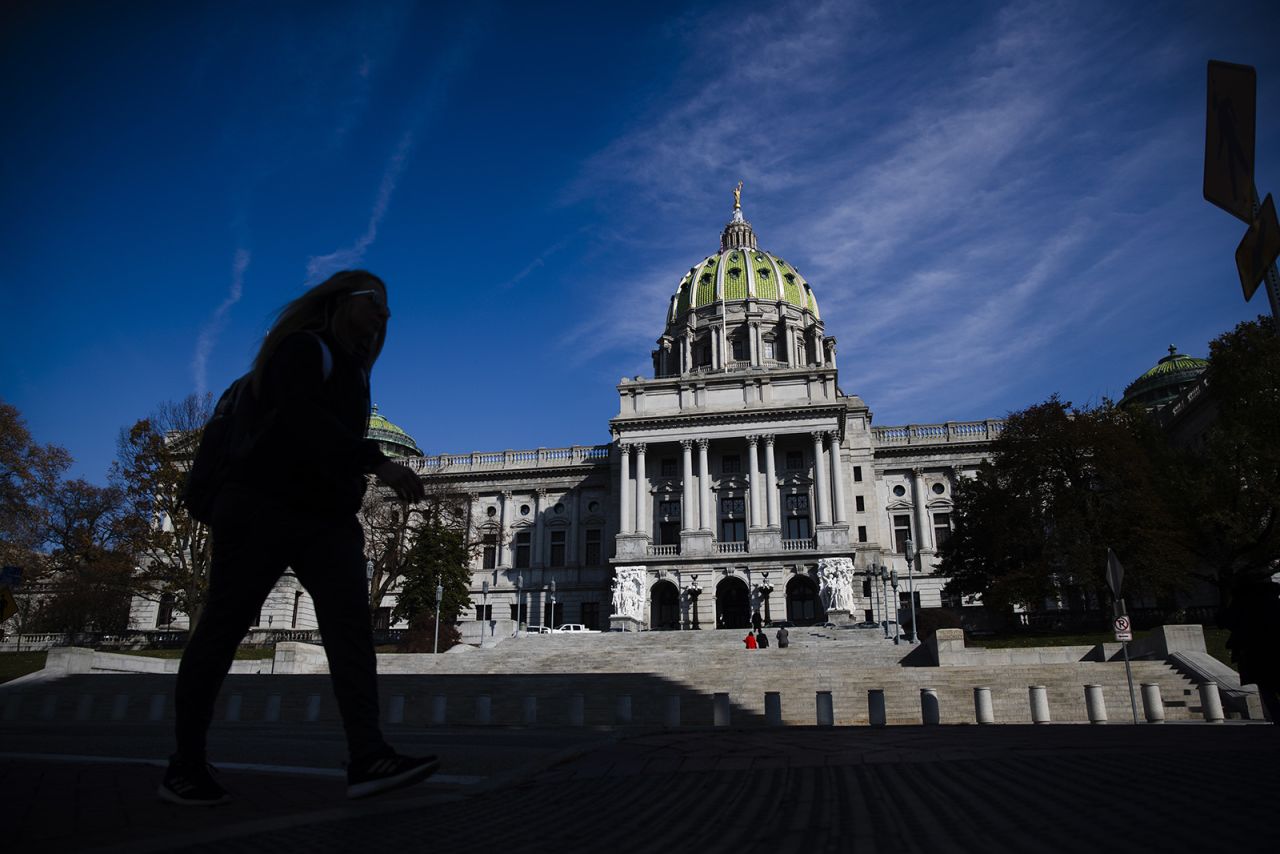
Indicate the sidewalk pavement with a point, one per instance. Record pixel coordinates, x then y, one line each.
1052 788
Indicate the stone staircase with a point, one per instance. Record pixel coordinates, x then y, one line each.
573 678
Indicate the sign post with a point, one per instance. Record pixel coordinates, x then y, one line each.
1229 131
1115 578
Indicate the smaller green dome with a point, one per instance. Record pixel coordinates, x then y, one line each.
393 441
1165 381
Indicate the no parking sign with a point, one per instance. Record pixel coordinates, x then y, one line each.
1124 631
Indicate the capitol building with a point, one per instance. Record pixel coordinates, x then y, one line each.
739 477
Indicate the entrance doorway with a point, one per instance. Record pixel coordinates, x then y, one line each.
733 604
664 606
804 608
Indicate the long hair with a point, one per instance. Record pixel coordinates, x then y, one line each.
314 312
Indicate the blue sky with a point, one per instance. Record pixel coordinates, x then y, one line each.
993 201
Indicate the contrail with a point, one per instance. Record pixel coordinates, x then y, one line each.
209 335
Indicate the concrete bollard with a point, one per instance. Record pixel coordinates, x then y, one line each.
577 710
930 711
826 710
484 710
272 712
1095 704
312 713
875 707
772 708
48 708
1152 703
395 709
530 711
84 708
232 712
622 715
720 709
120 707
439 709
672 716
156 712
1039 696
1211 703
983 711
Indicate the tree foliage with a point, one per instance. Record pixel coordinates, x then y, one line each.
30 475
439 552
1228 482
174 551
1063 485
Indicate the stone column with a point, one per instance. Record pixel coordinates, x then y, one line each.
504 535
624 492
571 544
837 477
753 339
924 536
539 532
704 493
822 491
753 466
642 493
771 482
688 521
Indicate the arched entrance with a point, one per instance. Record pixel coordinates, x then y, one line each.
733 604
664 606
804 607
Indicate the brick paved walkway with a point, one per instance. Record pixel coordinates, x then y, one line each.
1193 787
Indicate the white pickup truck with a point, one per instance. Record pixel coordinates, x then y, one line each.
573 628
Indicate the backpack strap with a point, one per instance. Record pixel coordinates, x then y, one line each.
326 357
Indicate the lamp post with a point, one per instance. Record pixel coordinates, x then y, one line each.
884 598
694 591
766 590
551 618
519 601
435 645
897 629
484 609
911 586
368 579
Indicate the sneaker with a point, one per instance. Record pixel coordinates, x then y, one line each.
387 772
191 784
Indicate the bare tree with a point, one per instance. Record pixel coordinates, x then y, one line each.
173 550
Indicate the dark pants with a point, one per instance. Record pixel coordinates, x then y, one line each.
254 540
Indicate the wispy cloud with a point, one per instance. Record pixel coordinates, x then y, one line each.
952 235
321 266
536 263
209 334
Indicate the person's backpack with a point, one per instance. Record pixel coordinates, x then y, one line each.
229 438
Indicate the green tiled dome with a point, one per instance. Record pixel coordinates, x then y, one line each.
393 441
740 273
1166 380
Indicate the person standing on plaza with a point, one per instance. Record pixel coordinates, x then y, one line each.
750 640
784 637
762 640
289 500
756 621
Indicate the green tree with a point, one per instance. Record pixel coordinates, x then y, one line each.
152 457
1064 484
30 475
439 553
1228 478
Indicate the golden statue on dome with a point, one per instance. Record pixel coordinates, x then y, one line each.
737 197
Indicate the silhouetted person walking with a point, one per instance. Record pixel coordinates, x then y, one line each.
784 638
1253 618
750 640
290 501
756 622
762 640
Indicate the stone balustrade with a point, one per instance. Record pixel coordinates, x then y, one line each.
802 545
664 551
731 548
588 455
938 434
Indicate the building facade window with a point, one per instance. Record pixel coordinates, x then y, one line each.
768 350
733 524
795 460
591 615
731 464
164 613
901 532
524 546
557 548
797 507
941 528
592 552
859 505
490 553
857 474
484 612
669 467
740 349
862 533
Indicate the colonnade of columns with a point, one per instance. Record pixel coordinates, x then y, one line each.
698 511
539 539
